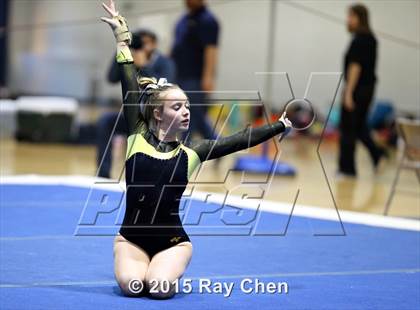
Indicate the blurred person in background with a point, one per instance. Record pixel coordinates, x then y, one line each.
149 62
4 15
360 79
195 55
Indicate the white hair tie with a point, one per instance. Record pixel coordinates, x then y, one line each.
162 82
152 86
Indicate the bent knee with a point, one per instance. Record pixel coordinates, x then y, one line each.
161 288
131 286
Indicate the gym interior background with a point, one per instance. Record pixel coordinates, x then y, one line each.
55 56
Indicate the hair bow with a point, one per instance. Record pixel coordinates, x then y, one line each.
162 82
150 88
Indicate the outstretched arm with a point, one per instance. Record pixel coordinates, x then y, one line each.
126 67
246 138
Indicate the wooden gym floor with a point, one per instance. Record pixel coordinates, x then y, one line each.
368 193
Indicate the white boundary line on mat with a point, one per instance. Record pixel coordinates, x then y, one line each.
220 277
51 237
232 200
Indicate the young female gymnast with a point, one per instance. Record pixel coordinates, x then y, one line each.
152 248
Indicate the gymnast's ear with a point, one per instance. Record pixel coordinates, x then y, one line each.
157 114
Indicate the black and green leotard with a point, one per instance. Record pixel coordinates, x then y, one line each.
157 172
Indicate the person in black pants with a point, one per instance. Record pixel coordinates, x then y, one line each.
360 79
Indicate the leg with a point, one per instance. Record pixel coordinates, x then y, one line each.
168 266
347 142
105 132
130 263
364 136
363 99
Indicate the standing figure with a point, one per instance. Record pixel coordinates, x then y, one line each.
195 55
360 79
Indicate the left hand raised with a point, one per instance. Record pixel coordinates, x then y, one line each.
117 23
112 11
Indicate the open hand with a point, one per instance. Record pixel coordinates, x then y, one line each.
118 24
287 125
112 11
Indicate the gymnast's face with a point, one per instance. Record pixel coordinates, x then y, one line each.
175 116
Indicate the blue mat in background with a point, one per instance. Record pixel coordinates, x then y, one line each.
44 266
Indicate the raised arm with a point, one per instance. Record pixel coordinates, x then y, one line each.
126 67
246 138
131 95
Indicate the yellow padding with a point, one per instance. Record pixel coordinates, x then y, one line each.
136 143
193 160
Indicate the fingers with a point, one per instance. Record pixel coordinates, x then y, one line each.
109 21
111 10
107 9
106 20
285 120
112 5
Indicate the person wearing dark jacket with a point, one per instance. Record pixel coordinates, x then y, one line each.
194 52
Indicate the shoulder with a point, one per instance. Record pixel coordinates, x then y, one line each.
364 39
357 43
194 159
163 59
188 148
182 20
200 147
357 39
142 129
208 18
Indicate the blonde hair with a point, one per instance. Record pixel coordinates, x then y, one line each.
152 98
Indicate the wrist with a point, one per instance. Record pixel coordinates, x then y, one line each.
122 34
285 122
282 124
123 53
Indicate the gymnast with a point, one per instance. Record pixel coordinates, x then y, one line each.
152 248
